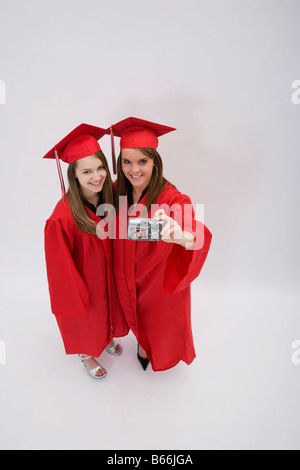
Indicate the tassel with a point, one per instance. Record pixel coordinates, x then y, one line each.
113 154
60 174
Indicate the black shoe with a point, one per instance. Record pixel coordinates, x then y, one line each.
144 362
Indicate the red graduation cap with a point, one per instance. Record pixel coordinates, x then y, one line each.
135 133
80 143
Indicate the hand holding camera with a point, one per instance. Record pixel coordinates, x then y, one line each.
172 232
160 227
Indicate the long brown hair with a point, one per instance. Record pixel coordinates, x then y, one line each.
75 196
157 181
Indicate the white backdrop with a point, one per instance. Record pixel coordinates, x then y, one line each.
221 72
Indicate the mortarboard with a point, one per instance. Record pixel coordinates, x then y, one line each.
135 133
80 143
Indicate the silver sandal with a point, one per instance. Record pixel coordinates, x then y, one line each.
92 372
112 350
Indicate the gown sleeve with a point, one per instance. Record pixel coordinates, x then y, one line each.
69 295
182 265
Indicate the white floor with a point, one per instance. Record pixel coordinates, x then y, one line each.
241 392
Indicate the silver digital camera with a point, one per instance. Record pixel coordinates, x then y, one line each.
144 229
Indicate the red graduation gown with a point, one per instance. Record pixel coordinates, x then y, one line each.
81 286
153 282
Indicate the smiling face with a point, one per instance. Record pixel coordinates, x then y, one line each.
90 173
137 168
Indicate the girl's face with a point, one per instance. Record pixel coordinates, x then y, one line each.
137 167
91 175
